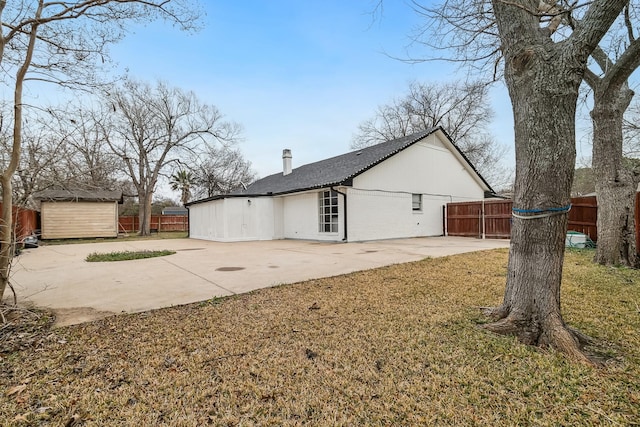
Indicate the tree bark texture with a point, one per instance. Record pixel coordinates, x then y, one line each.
144 213
615 184
6 225
545 159
6 237
543 78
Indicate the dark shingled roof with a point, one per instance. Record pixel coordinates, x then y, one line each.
339 170
53 195
333 171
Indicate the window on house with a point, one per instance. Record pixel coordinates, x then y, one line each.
416 202
328 202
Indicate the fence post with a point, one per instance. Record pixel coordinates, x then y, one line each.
444 220
484 236
637 218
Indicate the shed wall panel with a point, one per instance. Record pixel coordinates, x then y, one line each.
206 221
67 220
249 218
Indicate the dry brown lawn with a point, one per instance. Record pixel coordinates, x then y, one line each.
394 346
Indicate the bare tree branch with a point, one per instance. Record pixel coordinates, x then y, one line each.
151 128
61 41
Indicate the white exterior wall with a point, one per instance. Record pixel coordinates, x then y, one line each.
377 215
236 218
379 202
380 205
302 217
206 220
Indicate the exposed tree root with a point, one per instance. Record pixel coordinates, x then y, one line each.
582 338
552 333
561 338
495 313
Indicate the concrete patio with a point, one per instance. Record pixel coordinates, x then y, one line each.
59 278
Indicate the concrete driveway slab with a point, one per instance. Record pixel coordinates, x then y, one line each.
59 278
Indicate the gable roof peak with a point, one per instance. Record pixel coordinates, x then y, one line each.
335 170
341 169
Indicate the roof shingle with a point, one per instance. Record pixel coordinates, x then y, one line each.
332 171
338 170
55 195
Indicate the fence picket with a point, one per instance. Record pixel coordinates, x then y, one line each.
464 218
131 224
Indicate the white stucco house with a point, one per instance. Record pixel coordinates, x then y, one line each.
395 189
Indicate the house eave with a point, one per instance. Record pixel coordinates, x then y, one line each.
348 182
53 198
349 175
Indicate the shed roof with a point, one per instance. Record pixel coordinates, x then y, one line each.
338 170
60 195
174 210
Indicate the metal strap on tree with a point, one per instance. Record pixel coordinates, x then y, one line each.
539 212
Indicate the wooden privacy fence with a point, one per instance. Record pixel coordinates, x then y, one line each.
131 224
491 219
25 222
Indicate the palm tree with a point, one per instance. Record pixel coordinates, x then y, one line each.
182 181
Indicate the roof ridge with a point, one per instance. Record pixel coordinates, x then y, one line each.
417 136
340 169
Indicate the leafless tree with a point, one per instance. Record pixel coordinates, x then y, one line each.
88 163
543 70
462 109
462 31
62 148
469 27
152 128
39 165
61 42
40 154
221 170
615 185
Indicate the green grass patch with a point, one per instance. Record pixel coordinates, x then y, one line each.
125 255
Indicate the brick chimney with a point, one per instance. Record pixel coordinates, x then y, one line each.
286 161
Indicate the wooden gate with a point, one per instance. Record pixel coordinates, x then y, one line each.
491 219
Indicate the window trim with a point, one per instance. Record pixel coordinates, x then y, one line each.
416 205
328 214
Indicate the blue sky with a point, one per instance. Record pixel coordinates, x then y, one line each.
296 74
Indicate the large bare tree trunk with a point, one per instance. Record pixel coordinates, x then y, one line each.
543 78
615 185
6 226
147 213
545 159
6 238
144 213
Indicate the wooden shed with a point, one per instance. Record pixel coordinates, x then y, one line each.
67 214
